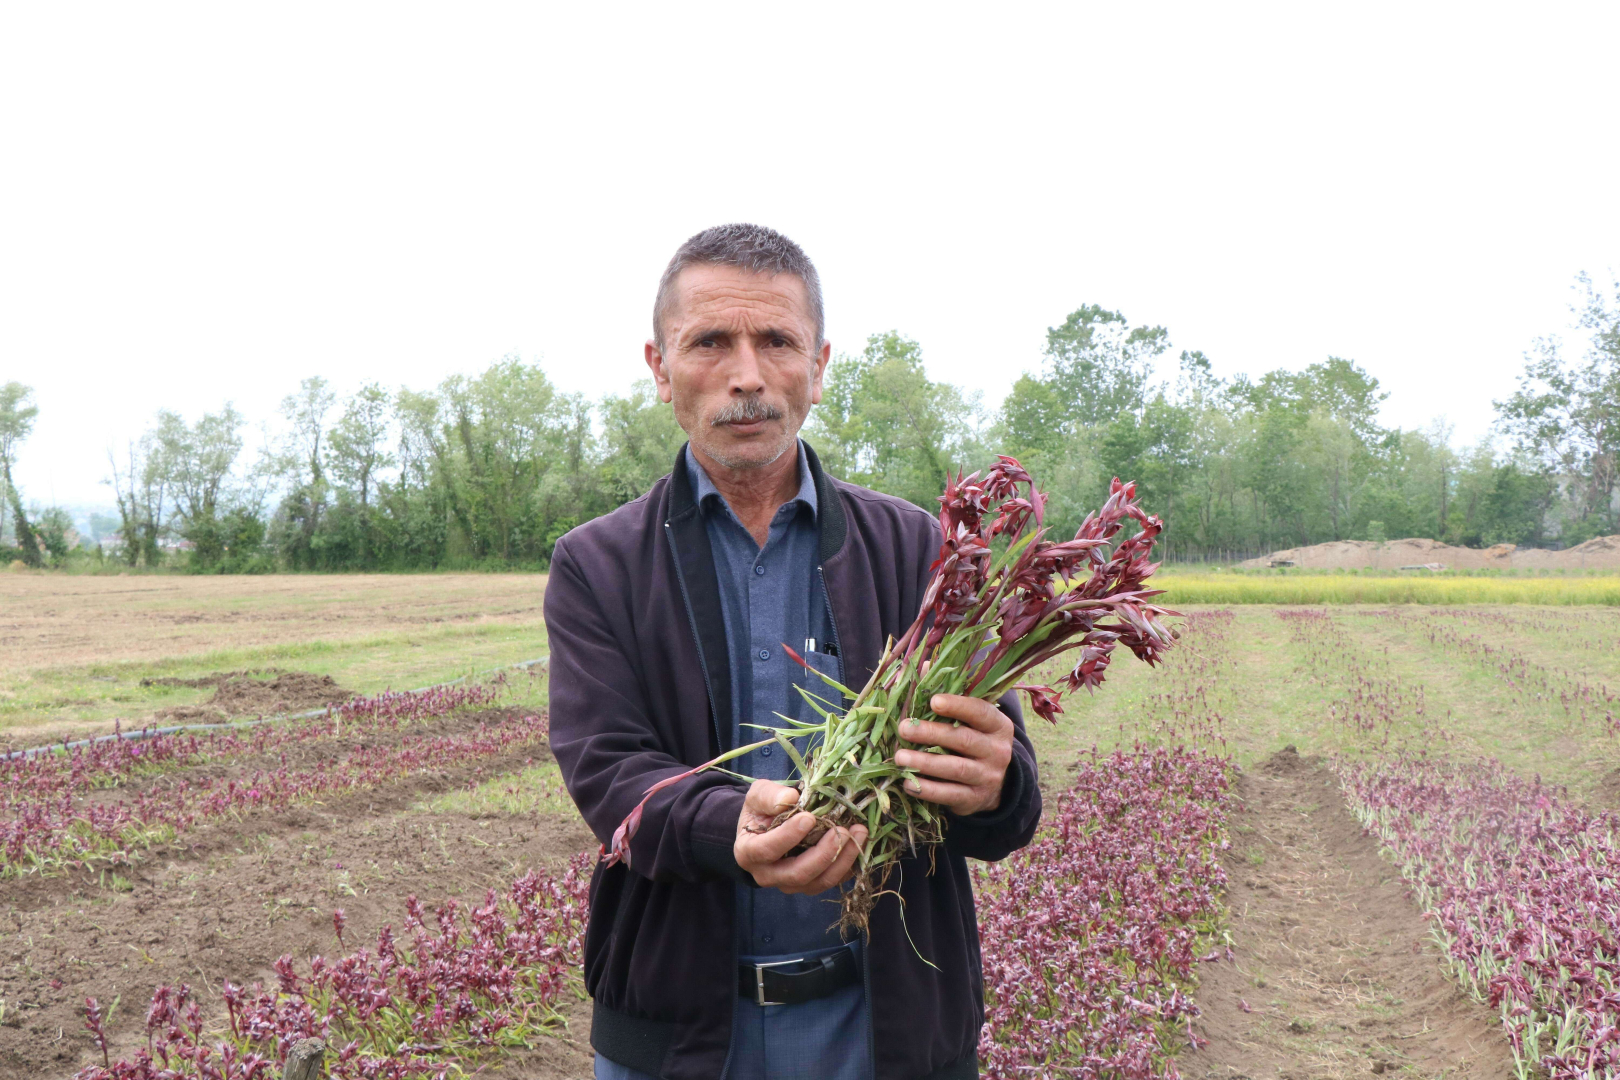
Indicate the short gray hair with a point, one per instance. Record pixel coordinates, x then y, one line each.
751 247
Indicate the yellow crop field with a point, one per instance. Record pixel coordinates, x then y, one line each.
1219 588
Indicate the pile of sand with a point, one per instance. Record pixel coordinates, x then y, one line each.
1600 553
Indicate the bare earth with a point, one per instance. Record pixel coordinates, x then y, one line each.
1336 975
1600 553
227 899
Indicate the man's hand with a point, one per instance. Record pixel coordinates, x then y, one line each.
969 779
760 849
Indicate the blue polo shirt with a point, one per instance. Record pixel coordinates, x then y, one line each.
769 596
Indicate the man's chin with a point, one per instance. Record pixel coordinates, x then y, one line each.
747 451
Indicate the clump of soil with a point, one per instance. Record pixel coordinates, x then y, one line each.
1606 795
237 694
1287 762
1335 974
211 680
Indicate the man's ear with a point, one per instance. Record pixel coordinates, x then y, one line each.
660 373
821 370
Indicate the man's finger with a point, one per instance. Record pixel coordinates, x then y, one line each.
794 874
982 715
839 871
961 740
769 846
955 796
769 798
963 770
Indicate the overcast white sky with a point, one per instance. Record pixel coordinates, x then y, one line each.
211 202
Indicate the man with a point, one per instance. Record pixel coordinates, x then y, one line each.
714 952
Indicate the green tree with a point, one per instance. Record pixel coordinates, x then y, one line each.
1099 365
1566 415
639 441
1095 371
1515 505
884 424
498 465
300 462
358 450
196 463
57 534
17 413
1276 477
1034 420
141 489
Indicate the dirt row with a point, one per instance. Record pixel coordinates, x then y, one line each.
1335 972
227 899
326 750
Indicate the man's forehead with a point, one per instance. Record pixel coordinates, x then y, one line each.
732 294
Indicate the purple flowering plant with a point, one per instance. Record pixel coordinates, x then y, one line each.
1003 600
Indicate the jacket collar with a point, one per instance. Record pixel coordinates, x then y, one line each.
700 585
831 524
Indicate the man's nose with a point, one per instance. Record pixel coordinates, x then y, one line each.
747 373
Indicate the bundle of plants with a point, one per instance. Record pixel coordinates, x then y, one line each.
1004 600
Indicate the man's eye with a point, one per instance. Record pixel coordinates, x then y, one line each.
779 343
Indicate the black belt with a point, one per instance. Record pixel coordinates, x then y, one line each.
790 982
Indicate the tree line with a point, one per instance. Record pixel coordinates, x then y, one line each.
489 470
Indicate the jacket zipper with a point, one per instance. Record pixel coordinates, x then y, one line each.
691 621
708 687
832 620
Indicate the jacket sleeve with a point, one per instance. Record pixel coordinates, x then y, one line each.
994 834
609 752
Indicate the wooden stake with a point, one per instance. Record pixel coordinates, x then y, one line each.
306 1061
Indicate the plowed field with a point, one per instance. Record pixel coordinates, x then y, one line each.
1319 961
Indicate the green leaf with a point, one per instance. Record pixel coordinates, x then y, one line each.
832 682
792 752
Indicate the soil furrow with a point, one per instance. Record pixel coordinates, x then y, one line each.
230 897
1335 972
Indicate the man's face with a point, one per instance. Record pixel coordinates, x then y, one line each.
740 363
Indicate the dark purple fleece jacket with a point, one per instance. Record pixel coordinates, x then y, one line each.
640 691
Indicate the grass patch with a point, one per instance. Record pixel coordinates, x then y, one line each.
83 697
1482 714
537 789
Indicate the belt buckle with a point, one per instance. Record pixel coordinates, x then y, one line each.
759 979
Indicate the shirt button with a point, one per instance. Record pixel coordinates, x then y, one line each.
759 569
764 654
766 752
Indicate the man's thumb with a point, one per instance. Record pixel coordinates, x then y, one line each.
772 798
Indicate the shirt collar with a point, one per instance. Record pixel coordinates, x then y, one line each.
704 487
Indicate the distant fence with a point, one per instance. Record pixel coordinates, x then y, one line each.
1211 557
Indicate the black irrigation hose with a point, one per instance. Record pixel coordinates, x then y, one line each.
150 732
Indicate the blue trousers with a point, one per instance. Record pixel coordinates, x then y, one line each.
825 1039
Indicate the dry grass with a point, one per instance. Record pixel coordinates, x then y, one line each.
50 620
73 650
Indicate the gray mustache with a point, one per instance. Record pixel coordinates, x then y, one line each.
748 410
